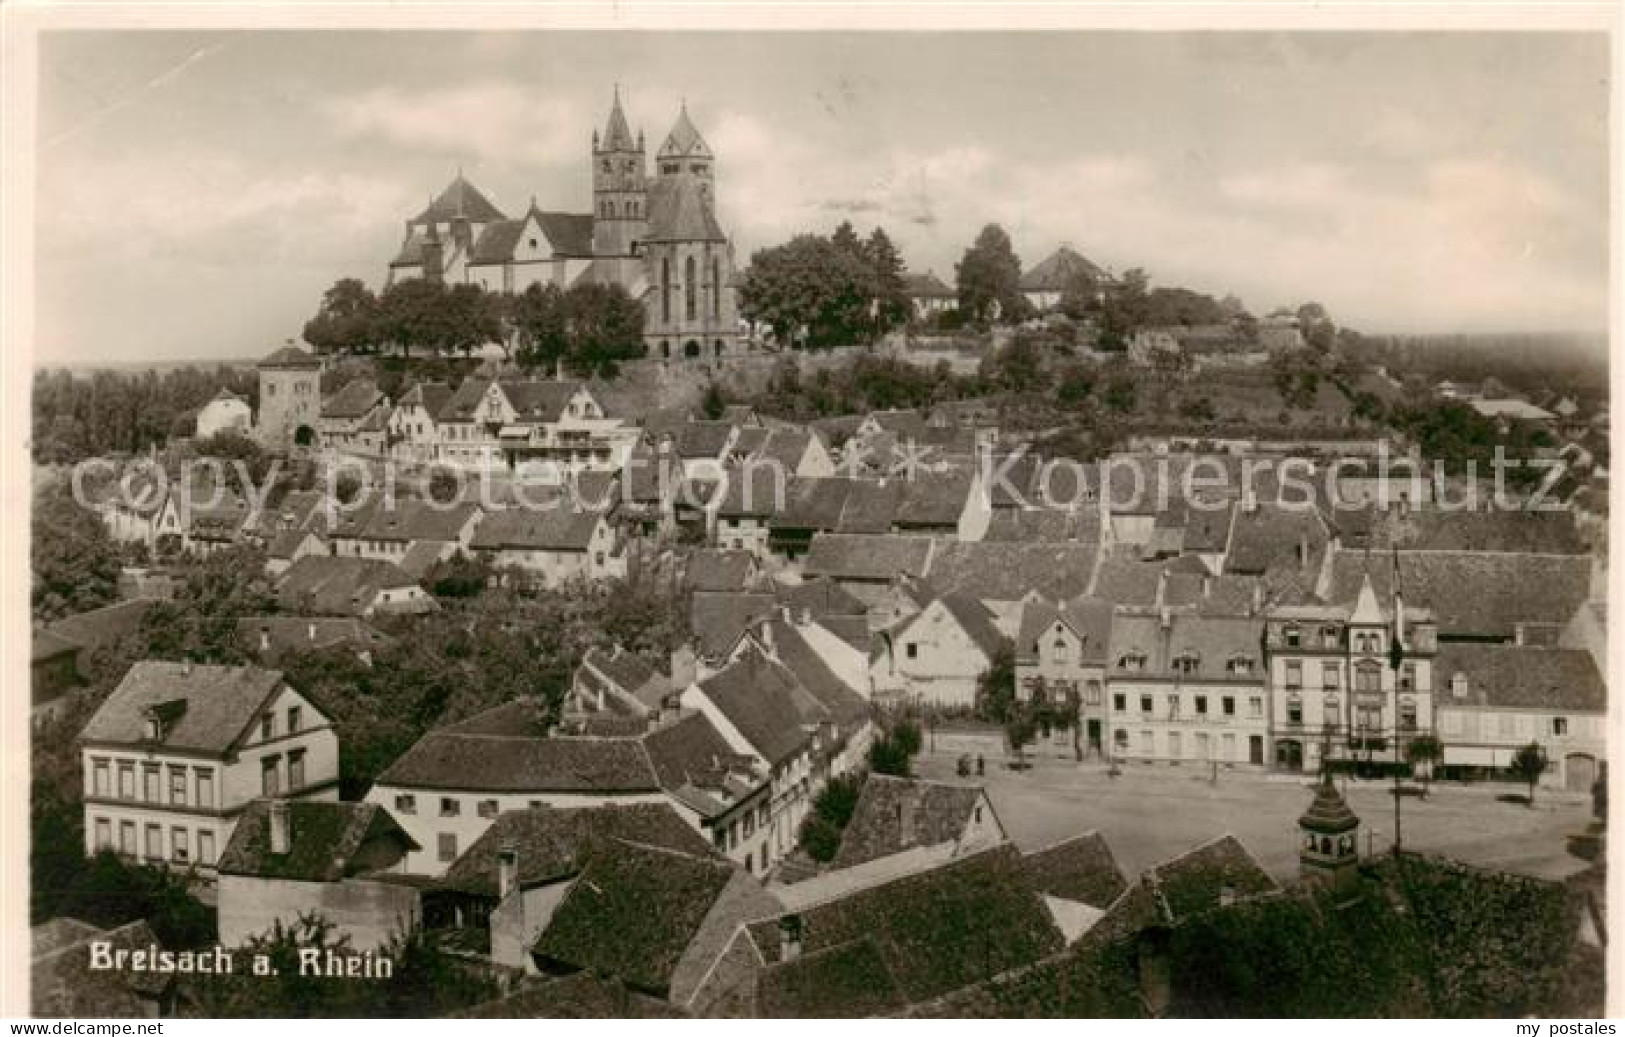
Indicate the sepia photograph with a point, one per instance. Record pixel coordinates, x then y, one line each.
665 513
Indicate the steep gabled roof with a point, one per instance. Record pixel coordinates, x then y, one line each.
765 703
460 200
717 618
496 243
897 814
1081 868
684 140
1088 618
1197 881
633 913
1011 571
358 397
323 838
570 233
205 708
843 556
680 210
1472 593
927 286
1057 271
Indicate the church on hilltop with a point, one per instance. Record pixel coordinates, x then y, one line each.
655 235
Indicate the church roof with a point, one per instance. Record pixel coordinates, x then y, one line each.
570 233
1329 813
617 136
684 140
461 199
680 211
1054 273
496 242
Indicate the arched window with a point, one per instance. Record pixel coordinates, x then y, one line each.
688 288
716 289
665 289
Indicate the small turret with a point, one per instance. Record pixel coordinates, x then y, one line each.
1329 839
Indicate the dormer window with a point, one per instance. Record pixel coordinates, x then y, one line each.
1292 635
1239 666
1188 663
1328 637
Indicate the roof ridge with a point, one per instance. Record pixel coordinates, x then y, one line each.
1095 832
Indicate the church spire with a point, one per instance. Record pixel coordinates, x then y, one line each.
617 136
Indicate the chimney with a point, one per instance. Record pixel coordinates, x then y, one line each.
186 667
1165 618
906 819
153 729
310 631
280 829
265 639
789 938
1258 598
507 869
1207 585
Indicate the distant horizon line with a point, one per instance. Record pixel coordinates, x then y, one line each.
241 360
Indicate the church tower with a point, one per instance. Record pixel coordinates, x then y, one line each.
1329 839
619 187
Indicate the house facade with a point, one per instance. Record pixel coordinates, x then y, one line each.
937 655
179 750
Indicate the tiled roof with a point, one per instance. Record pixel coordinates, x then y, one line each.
580 995
63 984
102 626
844 556
431 396
406 519
937 500
710 569
937 930
628 670
765 704
813 503
356 399
718 618
288 356
790 646
552 842
927 286
1270 538
680 211
1056 272
460 199
897 814
1195 881
553 529
206 708
848 981
496 242
690 753
570 233
633 913
503 750
337 586
323 840
1328 812
47 645
460 405
702 439
1211 641
1473 593
1089 618
1010 571
1519 677
870 506
1500 530
823 597
1081 868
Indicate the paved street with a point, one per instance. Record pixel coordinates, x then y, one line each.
1150 814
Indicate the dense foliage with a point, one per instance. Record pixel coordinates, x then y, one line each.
75 565
816 292
820 835
97 413
591 329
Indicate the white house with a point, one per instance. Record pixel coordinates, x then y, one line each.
938 654
178 750
227 412
1493 699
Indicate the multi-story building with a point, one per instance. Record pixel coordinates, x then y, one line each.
506 423
1353 678
1061 657
1186 687
178 750
1494 699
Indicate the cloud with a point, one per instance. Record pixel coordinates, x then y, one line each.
496 122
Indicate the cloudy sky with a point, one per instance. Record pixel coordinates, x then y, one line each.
197 191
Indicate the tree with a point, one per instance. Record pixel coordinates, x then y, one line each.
1425 751
346 321
809 291
1019 731
540 321
412 315
1528 764
989 277
1081 296
471 319
892 307
832 808
996 686
1120 394
604 328
75 563
200 622
713 403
